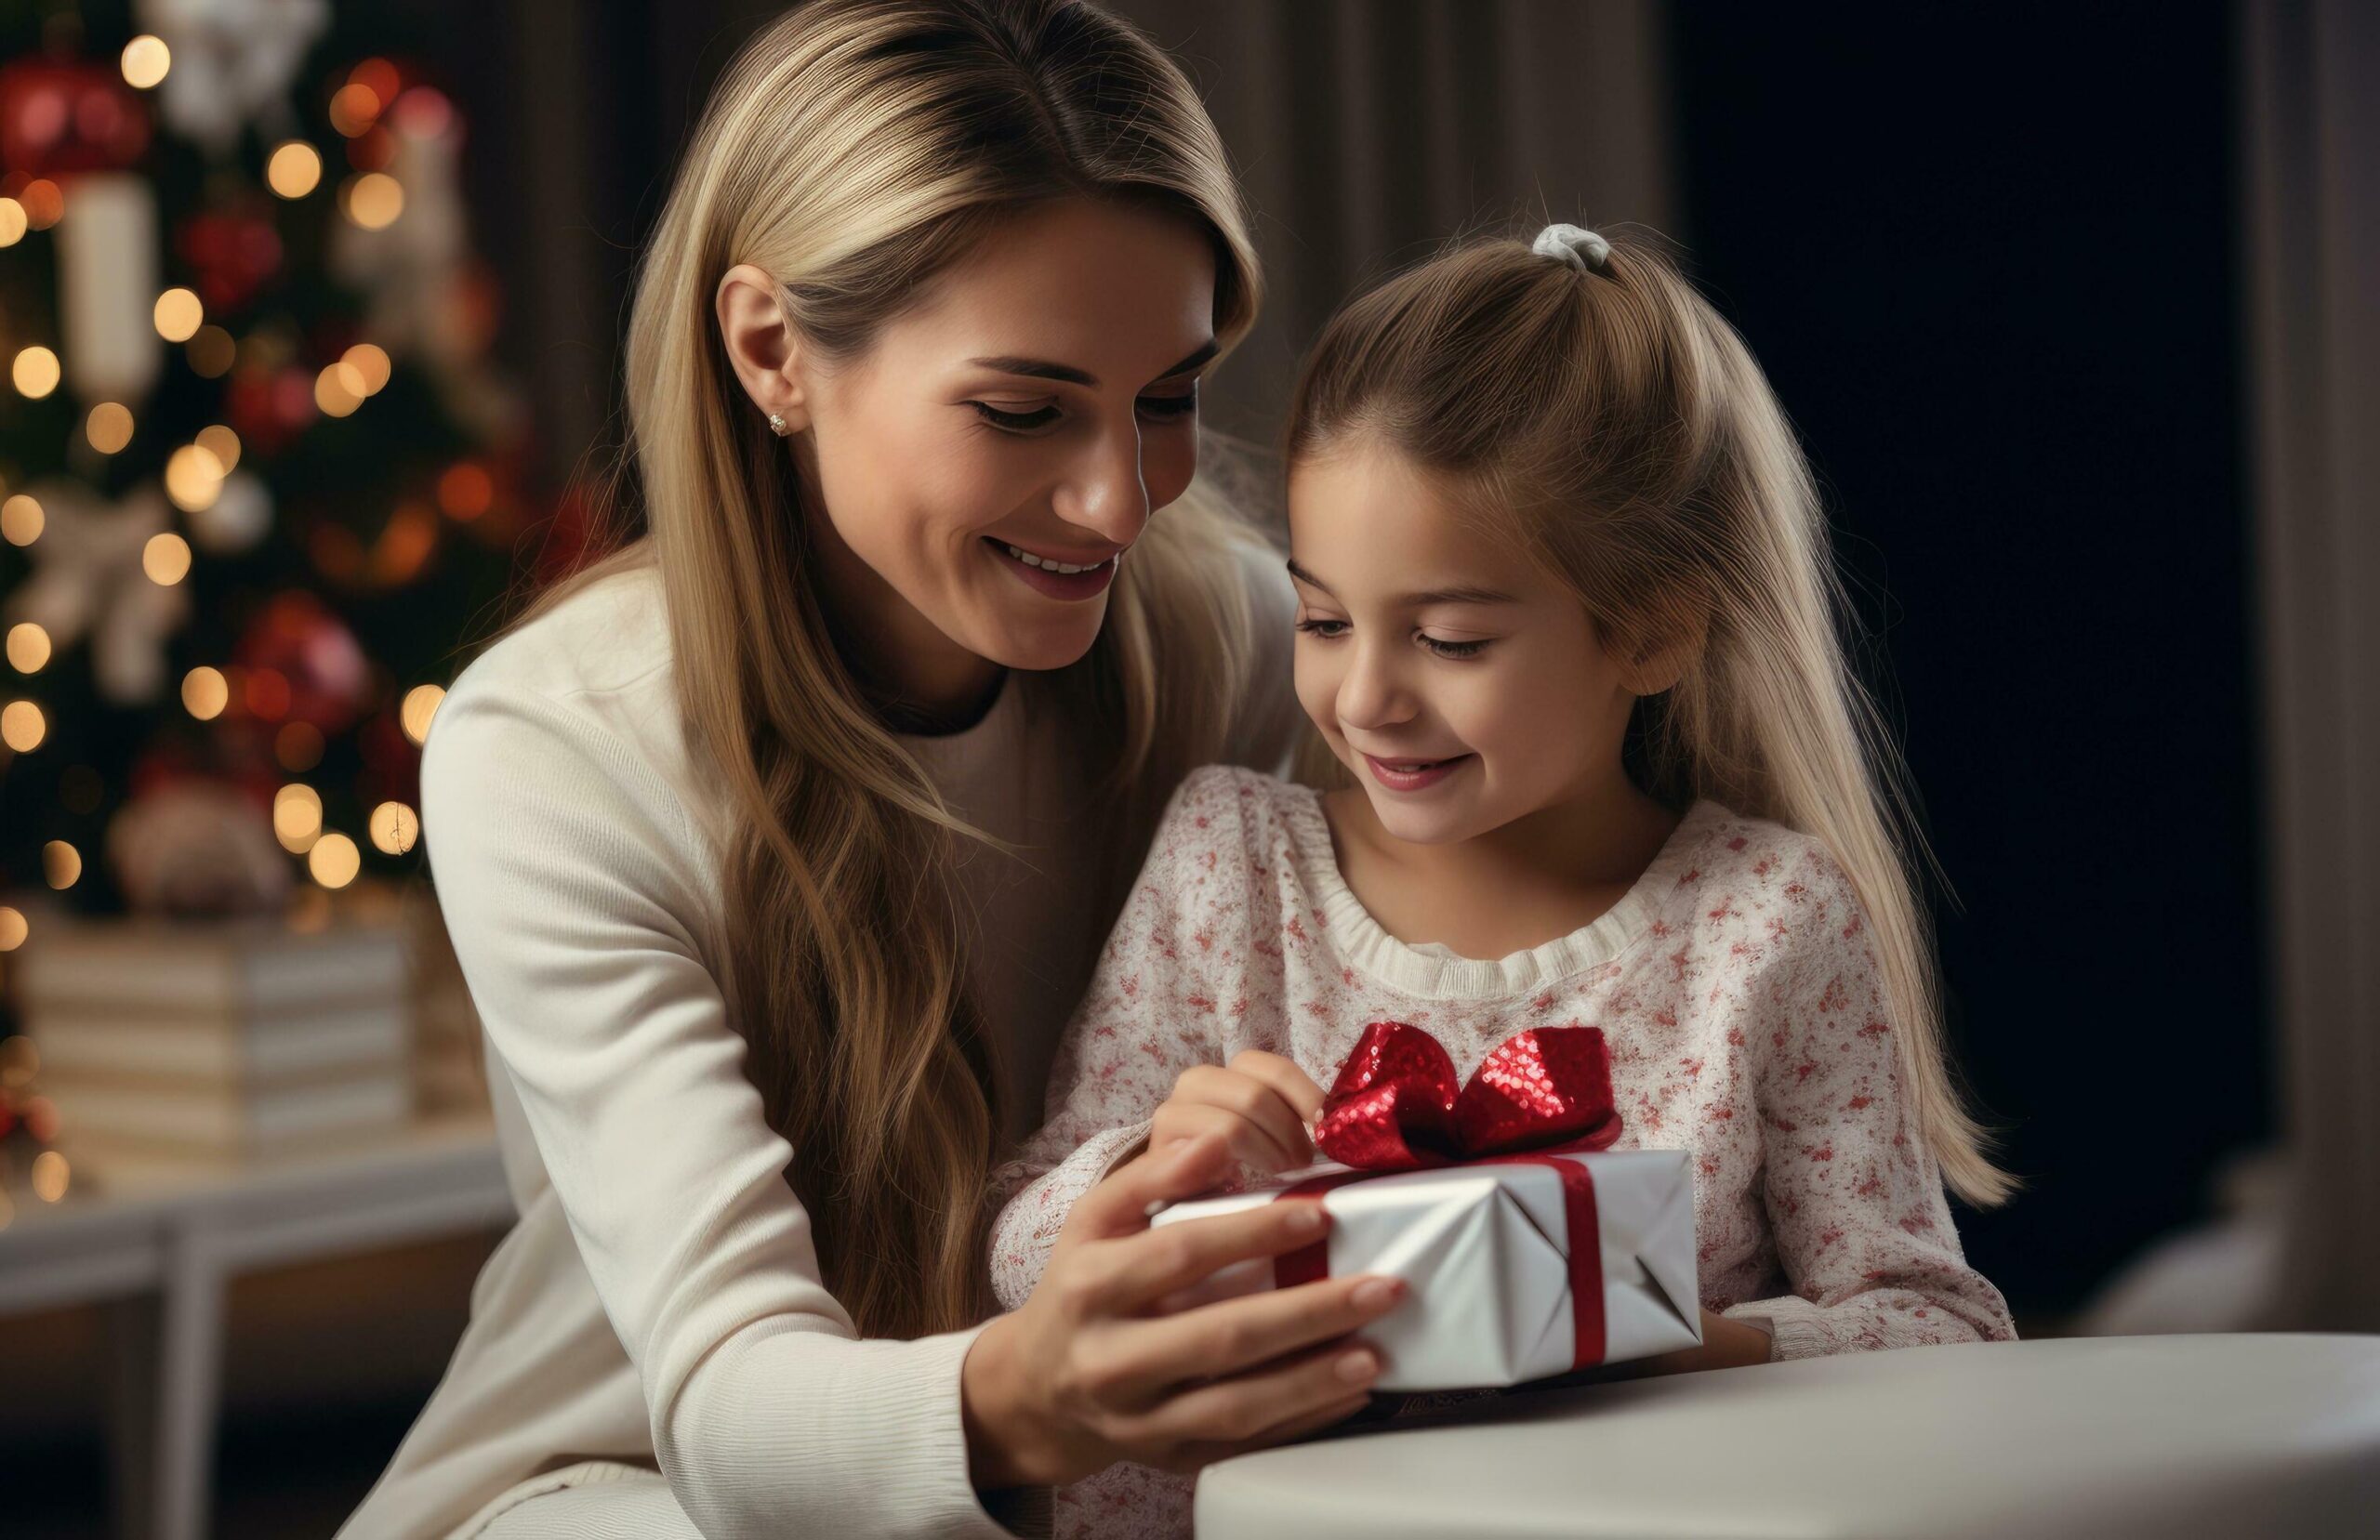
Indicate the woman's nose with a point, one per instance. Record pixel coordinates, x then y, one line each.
1105 493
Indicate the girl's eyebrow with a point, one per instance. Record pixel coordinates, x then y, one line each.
1043 369
1459 595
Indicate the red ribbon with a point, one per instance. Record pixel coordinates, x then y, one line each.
1394 1107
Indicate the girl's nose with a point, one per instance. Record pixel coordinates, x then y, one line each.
1105 491
1373 695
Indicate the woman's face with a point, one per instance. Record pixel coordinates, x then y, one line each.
1462 686
1026 417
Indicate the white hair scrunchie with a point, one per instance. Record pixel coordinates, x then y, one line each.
1583 249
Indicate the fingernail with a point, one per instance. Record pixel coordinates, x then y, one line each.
1308 1217
1356 1367
1374 1294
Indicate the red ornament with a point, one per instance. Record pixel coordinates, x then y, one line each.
58 118
231 252
296 637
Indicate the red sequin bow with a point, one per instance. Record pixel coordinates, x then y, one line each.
1394 1106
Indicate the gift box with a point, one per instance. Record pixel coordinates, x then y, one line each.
1530 1250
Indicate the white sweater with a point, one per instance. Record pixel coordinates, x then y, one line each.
659 1304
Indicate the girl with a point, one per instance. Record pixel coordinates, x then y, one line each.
776 848
1565 630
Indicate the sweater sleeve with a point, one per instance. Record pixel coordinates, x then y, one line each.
1158 1003
572 883
1854 1196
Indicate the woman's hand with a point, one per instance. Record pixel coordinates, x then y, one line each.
1260 1105
1084 1374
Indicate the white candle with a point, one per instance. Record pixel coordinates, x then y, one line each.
106 280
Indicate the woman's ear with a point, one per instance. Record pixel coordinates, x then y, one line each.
763 345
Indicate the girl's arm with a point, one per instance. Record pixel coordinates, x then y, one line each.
1151 1012
570 881
1854 1196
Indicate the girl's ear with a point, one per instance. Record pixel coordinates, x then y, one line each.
1657 666
763 347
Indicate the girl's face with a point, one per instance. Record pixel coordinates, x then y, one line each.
1026 417
1462 686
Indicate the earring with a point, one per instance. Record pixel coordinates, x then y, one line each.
776 425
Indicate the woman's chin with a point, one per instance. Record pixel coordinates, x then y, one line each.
1038 648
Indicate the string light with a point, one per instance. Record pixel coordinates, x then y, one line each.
370 362
221 443
372 200
178 315
45 205
109 426
394 828
297 818
337 390
205 692
28 648
13 932
420 705
21 520
61 864
298 746
354 107
13 222
145 61
34 373
334 861
22 726
193 477
212 353
295 170
165 559
50 1176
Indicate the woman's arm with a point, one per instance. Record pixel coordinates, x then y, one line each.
1854 1197
571 882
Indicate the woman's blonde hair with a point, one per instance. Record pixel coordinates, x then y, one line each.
1601 415
853 150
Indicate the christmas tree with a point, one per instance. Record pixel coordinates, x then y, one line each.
260 478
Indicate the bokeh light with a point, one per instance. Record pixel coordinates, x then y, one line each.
295 170
334 861
21 520
205 692
193 477
420 704
34 373
61 864
297 818
145 61
28 648
178 315
165 559
373 201
394 828
22 726
109 426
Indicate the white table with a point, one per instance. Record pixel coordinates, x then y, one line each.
2172 1436
160 1251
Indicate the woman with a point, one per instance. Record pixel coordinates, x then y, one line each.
912 368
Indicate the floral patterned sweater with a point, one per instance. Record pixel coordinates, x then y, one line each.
1737 994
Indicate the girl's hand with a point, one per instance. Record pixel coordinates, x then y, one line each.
1260 1105
1084 1374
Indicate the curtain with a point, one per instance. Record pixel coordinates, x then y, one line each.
2311 137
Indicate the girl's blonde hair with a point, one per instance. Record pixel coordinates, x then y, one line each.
1604 416
853 150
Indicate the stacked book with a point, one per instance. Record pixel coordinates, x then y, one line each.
219 1042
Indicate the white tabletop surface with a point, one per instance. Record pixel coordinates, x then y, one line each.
2175 1437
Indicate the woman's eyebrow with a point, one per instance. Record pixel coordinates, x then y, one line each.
1044 369
1462 594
